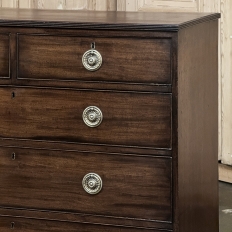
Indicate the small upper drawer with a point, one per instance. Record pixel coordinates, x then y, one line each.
4 56
99 117
130 60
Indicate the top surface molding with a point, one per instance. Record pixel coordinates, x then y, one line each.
154 21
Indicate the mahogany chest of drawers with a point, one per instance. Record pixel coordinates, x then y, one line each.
108 121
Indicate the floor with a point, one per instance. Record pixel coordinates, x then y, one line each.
225 207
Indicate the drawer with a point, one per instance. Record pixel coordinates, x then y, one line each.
33 225
129 119
130 60
4 56
126 186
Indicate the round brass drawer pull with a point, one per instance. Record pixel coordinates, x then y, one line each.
92 116
92 183
92 60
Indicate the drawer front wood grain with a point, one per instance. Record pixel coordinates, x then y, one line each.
129 119
133 186
129 60
34 225
4 55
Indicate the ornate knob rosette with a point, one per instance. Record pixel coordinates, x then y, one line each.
92 183
92 60
92 116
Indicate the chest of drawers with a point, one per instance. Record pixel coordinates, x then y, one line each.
108 121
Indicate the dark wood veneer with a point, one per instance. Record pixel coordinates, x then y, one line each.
4 55
124 59
156 149
129 119
198 128
83 147
33 225
158 21
52 215
57 176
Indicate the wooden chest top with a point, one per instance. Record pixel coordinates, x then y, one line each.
160 21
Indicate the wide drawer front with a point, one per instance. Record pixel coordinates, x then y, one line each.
131 60
128 119
9 224
4 55
132 186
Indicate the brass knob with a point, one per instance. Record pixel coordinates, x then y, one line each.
92 183
92 116
92 60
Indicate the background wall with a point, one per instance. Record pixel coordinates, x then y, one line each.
62 4
225 43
